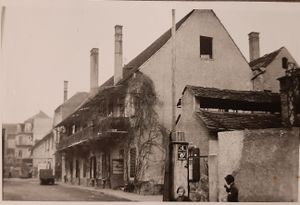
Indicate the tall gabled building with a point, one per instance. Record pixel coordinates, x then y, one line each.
118 136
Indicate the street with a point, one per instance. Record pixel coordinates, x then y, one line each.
31 190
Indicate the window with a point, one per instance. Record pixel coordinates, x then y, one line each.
132 162
20 140
20 154
284 62
206 47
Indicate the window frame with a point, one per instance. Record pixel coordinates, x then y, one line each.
205 49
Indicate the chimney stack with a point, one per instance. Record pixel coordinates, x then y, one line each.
94 69
65 91
253 45
118 75
290 98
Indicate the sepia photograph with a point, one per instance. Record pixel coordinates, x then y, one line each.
140 101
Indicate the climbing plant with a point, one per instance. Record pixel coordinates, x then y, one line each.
145 131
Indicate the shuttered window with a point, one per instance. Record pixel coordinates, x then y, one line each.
132 162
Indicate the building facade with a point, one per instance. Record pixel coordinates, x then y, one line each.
9 145
118 137
268 68
43 153
247 134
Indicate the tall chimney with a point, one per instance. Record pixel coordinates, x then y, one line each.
65 90
94 69
118 75
253 45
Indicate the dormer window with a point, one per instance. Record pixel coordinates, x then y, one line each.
206 47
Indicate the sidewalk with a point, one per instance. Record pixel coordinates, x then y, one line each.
118 193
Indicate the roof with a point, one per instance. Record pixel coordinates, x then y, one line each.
79 96
225 121
135 63
265 60
140 59
48 135
41 114
247 96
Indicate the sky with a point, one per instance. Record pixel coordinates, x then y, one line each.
47 42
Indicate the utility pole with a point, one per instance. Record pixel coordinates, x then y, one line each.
168 172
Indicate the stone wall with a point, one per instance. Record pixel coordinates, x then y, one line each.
264 163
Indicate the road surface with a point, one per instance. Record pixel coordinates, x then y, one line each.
31 190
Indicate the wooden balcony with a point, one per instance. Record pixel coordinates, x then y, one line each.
106 127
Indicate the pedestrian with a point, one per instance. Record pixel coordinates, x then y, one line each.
10 172
181 197
231 189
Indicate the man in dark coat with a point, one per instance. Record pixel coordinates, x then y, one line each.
232 191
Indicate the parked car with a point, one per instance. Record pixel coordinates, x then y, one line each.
46 176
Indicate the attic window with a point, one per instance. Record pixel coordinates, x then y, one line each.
206 47
284 62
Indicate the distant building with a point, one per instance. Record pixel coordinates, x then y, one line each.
38 125
9 158
117 137
20 138
43 152
268 68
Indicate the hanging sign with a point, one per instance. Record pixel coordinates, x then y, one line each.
182 152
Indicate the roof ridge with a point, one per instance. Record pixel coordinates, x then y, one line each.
266 59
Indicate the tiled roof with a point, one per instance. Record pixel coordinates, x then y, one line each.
135 63
79 96
225 121
247 96
264 61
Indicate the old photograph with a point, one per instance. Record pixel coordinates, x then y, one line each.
150 101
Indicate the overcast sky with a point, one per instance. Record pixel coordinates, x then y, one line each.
47 42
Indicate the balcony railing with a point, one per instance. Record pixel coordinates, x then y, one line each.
108 126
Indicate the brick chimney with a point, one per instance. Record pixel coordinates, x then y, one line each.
253 45
94 69
118 74
65 91
290 98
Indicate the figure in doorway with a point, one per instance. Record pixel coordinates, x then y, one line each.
181 197
231 189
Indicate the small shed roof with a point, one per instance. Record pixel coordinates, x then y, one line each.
225 121
238 95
